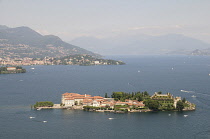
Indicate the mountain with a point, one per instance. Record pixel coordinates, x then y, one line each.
25 42
141 44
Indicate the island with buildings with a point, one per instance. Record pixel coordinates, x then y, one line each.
9 70
121 102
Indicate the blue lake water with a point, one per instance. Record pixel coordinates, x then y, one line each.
141 73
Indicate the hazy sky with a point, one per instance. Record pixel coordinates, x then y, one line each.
69 19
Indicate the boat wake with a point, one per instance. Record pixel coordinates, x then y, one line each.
187 91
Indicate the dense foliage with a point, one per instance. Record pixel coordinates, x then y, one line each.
43 104
152 104
132 96
180 105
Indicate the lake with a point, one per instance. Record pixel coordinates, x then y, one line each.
141 73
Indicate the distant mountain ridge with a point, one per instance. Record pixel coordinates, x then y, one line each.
25 42
141 44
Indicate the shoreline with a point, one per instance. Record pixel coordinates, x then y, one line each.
57 106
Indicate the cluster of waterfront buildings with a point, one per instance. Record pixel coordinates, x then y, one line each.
68 60
23 61
75 99
72 99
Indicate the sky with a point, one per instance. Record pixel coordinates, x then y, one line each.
70 19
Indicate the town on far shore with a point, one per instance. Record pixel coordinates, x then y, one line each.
120 102
77 59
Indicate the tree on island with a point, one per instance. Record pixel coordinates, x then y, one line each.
180 105
145 93
106 95
43 104
122 96
184 100
159 92
152 104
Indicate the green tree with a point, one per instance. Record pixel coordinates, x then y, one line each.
184 100
19 67
43 104
122 99
180 105
106 96
145 93
152 104
117 95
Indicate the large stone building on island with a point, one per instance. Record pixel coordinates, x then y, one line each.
74 99
166 98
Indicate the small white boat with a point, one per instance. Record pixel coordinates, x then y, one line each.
111 118
44 121
169 114
38 109
185 115
193 96
32 68
31 117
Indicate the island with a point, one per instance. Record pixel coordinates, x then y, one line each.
9 70
121 102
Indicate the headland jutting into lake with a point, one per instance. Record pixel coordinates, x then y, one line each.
120 102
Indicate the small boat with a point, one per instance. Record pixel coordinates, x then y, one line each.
185 115
111 118
44 121
38 109
31 117
169 114
32 68
193 96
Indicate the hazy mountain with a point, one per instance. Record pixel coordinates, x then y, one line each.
25 42
141 44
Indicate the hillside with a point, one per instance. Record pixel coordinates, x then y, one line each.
24 42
